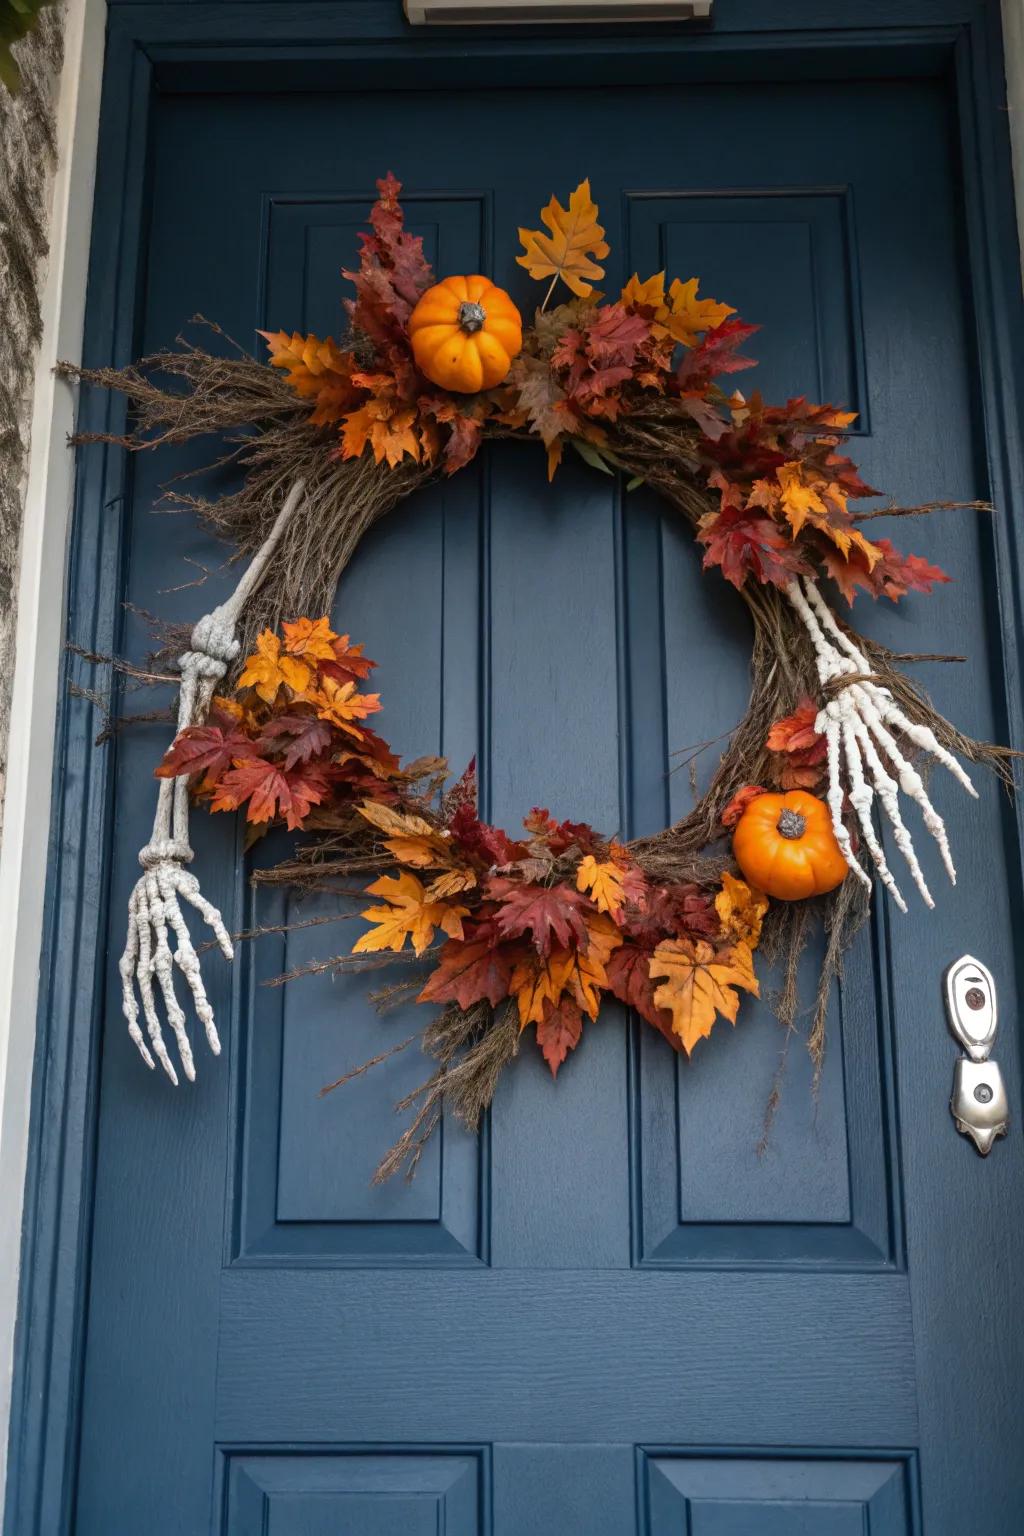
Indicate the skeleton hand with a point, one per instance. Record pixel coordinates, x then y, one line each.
154 908
858 724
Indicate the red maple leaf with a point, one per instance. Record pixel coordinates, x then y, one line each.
349 665
304 737
739 802
489 845
893 576
560 1031
629 980
549 913
267 792
560 836
744 543
681 909
472 970
716 354
208 749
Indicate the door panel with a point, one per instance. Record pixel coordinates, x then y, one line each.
610 1313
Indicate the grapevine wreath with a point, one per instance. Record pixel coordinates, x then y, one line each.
530 929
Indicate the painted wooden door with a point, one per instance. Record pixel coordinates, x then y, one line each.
609 1315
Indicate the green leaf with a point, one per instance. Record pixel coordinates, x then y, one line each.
589 454
636 482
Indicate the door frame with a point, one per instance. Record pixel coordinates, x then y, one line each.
235 45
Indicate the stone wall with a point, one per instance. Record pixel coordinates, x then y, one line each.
27 154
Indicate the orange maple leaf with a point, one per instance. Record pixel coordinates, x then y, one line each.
317 370
567 252
310 637
679 313
699 983
386 428
414 842
408 915
267 670
740 910
807 498
342 703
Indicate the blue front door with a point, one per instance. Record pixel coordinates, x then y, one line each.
610 1315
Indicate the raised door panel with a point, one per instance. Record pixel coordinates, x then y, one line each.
427 1494
736 1496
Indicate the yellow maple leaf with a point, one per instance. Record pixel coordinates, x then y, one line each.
740 910
603 881
342 703
310 637
408 915
267 670
536 981
823 503
411 839
566 252
687 316
649 294
698 985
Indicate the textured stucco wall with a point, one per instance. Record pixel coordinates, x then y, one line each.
27 155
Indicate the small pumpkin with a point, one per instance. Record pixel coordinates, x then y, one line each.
785 846
465 332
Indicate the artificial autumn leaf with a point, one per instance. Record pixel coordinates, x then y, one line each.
718 353
744 543
347 663
408 915
688 317
342 703
536 982
302 736
699 983
559 1032
411 839
629 979
802 749
489 845
740 910
451 883
268 670
584 971
317 370
386 427
893 574
551 915
310 637
208 749
267 791
603 882
475 970
567 251
739 802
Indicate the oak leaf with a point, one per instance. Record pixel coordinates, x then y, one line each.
573 240
699 985
408 915
268 670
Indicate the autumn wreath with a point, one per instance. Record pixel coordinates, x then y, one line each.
531 929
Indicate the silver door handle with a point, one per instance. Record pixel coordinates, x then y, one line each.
979 1104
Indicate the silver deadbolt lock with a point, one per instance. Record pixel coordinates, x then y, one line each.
979 1103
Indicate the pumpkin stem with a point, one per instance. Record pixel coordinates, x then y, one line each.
791 824
471 317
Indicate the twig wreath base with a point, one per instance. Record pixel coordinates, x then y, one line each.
766 496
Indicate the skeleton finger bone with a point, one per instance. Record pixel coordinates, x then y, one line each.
154 908
861 724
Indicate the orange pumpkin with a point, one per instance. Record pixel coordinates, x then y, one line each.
465 333
785 846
